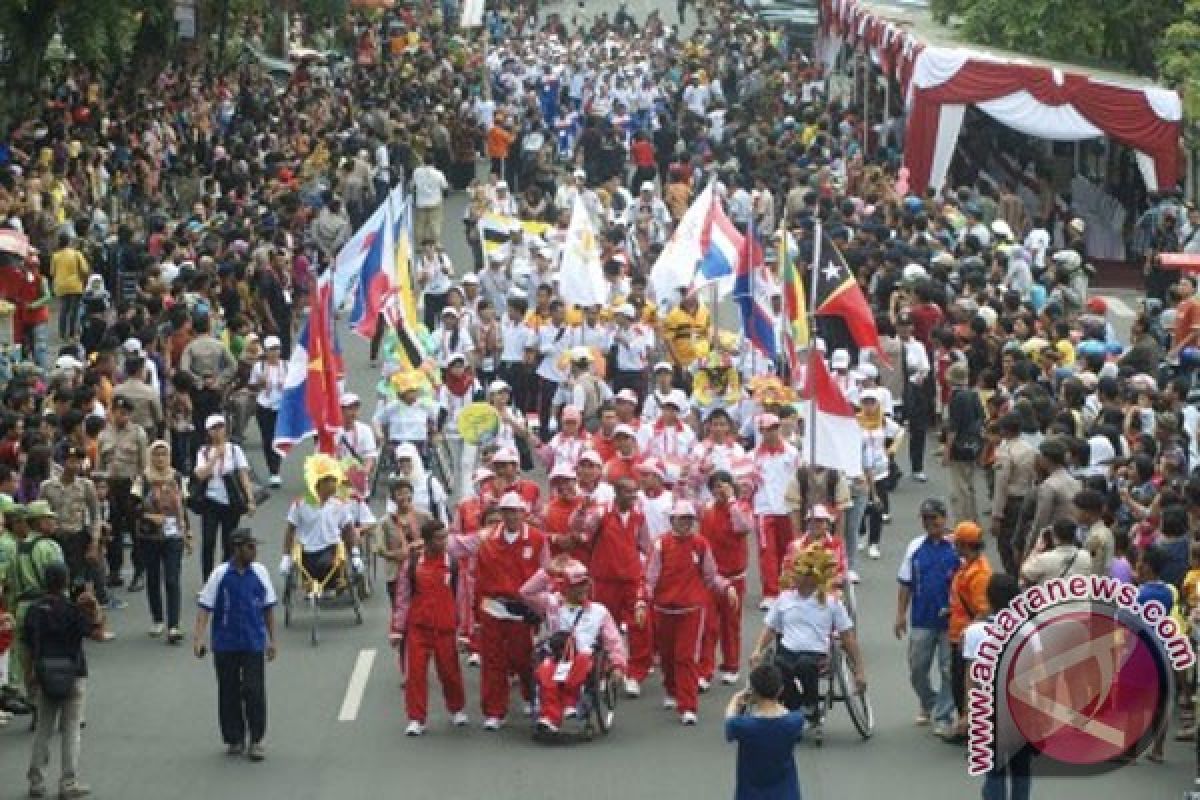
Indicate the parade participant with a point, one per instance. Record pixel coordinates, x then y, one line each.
577 626
656 498
633 342
662 386
423 626
320 521
266 378
589 474
669 438
568 444
719 449
881 437
459 388
804 620
506 556
626 404
356 440
626 458
680 572
776 462
428 493
565 501
726 522
401 529
407 418
602 437
818 530
505 465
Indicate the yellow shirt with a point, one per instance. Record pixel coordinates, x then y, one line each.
685 334
69 269
1066 352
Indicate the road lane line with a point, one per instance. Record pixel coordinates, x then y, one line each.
357 685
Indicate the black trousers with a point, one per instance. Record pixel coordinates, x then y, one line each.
80 570
803 668
266 427
519 376
241 695
216 517
1007 543
164 562
545 408
121 518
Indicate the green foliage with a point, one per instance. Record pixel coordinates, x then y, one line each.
1179 58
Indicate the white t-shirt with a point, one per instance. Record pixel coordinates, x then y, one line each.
973 638
806 624
428 185
358 443
271 377
318 528
232 460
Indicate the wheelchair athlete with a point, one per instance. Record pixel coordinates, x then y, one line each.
577 626
820 531
321 522
803 621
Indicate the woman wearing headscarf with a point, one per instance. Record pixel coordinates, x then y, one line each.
428 493
165 535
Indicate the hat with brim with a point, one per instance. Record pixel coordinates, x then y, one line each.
40 509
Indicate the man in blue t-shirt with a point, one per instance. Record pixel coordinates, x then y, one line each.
922 609
239 600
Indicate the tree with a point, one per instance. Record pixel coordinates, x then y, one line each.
1179 58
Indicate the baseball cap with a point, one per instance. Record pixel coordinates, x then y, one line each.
627 310
968 533
676 398
591 457
271 341
482 474
647 186
664 365
627 395
683 508
242 536
819 511
766 421
562 470
652 466
349 399
575 573
840 359
214 421
933 505
572 413
506 455
498 386
512 500
624 430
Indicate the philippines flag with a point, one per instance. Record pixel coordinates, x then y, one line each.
720 248
311 387
758 324
832 436
375 282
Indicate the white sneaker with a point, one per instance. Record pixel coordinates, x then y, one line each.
688 718
632 688
527 709
668 703
546 725
357 565
473 660
276 482
157 629
729 678
873 551
459 719
852 576
570 712
764 605
920 477
492 724
414 728
703 684
887 517
862 545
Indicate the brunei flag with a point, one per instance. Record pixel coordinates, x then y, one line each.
794 305
839 295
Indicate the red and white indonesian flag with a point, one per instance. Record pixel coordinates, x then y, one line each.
832 437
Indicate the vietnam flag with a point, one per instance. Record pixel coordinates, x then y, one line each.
839 295
311 386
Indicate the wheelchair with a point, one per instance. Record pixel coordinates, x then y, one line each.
595 711
835 684
337 584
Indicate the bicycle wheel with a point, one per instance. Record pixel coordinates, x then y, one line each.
604 696
858 704
850 599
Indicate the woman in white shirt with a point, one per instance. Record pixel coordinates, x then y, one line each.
218 463
881 436
266 377
451 338
434 272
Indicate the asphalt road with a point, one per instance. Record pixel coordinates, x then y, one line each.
152 730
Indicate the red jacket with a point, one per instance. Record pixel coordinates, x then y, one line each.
557 518
432 605
502 568
528 490
617 546
725 526
681 571
604 447
618 468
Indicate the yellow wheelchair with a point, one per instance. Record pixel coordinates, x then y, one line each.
335 585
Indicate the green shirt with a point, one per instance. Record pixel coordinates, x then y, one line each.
28 569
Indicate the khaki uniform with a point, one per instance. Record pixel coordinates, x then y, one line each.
1015 473
123 452
1055 500
1061 562
147 405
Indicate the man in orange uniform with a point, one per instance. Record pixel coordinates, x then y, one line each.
618 540
968 602
679 575
726 523
562 529
499 142
423 623
506 556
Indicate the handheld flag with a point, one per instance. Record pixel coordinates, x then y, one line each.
675 268
795 306
839 295
720 249
311 393
832 436
375 281
581 277
758 324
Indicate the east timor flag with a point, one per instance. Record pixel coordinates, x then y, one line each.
839 295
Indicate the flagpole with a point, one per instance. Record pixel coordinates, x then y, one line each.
749 251
811 428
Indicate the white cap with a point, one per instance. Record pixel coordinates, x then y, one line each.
68 362
870 394
450 311
627 310
676 398
683 508
819 511
498 386
470 277
628 395
664 365
562 470
1002 229
506 455
579 173
624 430
501 185
349 399
647 186
450 359
132 346
592 457
213 421
512 500
868 370
271 341
840 359
581 354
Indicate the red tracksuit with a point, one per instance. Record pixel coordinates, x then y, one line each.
680 573
468 518
774 536
619 467
425 613
506 645
725 526
618 543
557 519
604 446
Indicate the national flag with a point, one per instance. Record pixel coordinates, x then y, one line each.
758 323
348 264
406 349
375 281
795 305
720 249
581 276
402 275
675 268
311 387
839 295
832 436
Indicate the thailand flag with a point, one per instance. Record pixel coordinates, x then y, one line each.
311 387
375 282
720 245
751 292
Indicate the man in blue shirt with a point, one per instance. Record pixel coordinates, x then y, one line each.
923 598
239 600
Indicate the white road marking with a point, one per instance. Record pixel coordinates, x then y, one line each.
358 684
